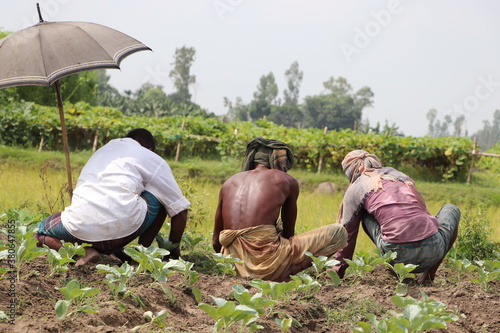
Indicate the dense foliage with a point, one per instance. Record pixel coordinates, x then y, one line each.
25 124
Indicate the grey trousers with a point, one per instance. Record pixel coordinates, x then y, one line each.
424 253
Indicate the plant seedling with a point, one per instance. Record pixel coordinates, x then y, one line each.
256 301
461 266
403 271
117 278
157 319
276 290
226 263
227 314
321 263
185 267
23 244
488 271
417 316
74 294
149 259
191 242
306 284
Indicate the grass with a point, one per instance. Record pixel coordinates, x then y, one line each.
22 187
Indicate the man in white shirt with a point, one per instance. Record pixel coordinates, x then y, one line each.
124 191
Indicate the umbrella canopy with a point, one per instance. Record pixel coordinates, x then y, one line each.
48 51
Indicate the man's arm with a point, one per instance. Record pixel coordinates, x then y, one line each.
218 227
289 210
348 251
177 226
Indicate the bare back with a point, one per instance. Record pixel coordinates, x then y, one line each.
257 197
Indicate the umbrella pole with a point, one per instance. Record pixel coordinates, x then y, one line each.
65 137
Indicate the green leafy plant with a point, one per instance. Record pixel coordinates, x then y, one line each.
22 247
57 263
192 241
226 263
256 301
488 270
473 240
366 262
286 323
276 290
305 283
117 278
227 314
150 259
417 316
59 260
186 268
403 272
3 317
157 320
461 266
321 264
77 296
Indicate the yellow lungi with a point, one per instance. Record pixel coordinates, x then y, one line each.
266 255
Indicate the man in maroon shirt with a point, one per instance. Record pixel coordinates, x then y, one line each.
394 215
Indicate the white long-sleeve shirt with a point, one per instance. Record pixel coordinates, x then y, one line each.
106 202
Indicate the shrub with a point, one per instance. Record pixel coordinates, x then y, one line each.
473 241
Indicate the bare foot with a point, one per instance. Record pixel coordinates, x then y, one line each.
425 278
91 255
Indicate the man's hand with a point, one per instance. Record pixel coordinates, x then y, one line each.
173 248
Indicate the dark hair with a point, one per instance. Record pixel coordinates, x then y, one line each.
144 137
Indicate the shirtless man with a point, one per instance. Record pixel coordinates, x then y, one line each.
250 204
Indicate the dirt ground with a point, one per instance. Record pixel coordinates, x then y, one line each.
332 309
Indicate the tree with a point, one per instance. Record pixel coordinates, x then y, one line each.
184 58
74 88
293 78
238 110
490 133
338 107
287 115
459 125
436 127
431 116
264 97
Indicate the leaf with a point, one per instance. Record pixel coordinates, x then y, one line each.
364 327
210 310
62 307
87 309
334 277
401 289
197 294
226 309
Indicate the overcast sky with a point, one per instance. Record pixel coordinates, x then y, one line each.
414 55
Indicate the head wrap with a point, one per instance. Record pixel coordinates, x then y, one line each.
272 153
365 173
357 162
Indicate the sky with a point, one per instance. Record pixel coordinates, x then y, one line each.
414 55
